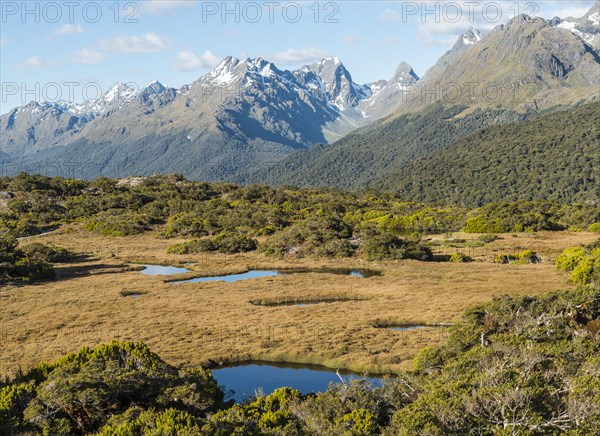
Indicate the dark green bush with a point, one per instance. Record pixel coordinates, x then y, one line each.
17 264
225 243
122 386
384 246
47 253
319 236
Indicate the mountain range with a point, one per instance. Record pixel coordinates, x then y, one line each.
243 113
249 121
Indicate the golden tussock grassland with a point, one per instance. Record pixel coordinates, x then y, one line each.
216 322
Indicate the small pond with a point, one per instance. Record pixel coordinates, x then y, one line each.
246 378
304 303
416 326
253 274
159 270
362 273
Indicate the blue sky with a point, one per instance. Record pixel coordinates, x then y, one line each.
72 50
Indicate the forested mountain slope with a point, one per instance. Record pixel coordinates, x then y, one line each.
555 156
372 152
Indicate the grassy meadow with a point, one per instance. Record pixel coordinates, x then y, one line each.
210 323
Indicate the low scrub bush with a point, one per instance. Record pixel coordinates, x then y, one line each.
117 223
595 227
384 246
224 243
48 253
582 262
522 258
460 257
28 264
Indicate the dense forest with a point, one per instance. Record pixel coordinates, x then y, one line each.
556 157
370 153
440 155
515 366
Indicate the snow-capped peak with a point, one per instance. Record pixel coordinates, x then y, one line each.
472 36
152 88
155 84
262 67
119 92
333 60
405 73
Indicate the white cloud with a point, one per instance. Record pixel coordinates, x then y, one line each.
68 29
33 62
86 56
188 61
148 42
3 41
163 7
294 56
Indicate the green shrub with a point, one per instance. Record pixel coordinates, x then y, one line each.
522 258
117 223
319 236
460 257
48 253
582 274
14 399
121 385
595 227
483 224
361 422
228 242
383 246
186 225
583 262
21 265
527 256
231 242
30 269
570 258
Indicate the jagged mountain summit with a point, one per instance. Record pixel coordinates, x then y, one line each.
390 95
244 111
527 63
39 125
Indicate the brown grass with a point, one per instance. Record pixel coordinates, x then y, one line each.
197 323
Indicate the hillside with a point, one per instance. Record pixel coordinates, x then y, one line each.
372 152
527 63
555 156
